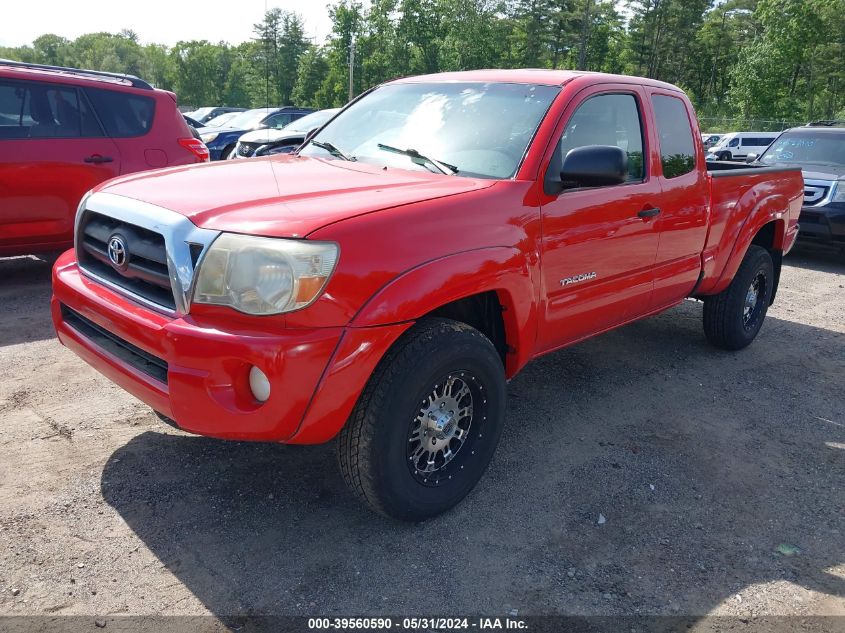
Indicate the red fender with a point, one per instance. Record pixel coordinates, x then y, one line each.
721 271
425 288
393 310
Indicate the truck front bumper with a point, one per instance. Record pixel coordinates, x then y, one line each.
824 224
198 373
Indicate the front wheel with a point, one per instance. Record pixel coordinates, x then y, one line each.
725 156
427 424
733 317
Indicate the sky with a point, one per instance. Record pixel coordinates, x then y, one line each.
155 21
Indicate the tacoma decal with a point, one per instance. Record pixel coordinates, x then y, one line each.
577 279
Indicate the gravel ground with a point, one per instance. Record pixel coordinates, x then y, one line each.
642 472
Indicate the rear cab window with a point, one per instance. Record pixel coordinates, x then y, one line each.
677 147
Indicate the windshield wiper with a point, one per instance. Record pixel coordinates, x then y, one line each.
416 157
333 150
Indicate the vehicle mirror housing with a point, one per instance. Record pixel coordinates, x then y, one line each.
751 158
594 166
310 135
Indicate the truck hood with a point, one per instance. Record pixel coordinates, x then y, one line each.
824 172
816 172
284 196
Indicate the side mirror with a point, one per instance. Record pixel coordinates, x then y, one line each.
751 158
310 135
594 166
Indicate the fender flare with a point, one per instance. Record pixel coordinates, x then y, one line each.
504 270
771 209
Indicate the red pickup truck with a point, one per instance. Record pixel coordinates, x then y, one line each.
383 283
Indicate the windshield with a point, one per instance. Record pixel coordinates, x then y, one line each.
199 113
221 119
482 129
806 149
309 122
249 119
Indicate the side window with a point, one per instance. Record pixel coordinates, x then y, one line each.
612 119
677 149
36 110
90 126
279 121
12 97
734 143
123 114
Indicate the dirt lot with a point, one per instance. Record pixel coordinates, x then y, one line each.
721 478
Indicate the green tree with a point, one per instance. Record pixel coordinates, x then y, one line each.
311 72
795 67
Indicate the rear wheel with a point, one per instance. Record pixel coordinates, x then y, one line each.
733 317
426 426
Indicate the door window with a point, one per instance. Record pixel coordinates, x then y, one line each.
279 121
610 119
37 110
677 148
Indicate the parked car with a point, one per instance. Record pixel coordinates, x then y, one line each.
192 122
382 284
221 141
819 150
709 140
63 131
222 120
266 142
738 145
204 115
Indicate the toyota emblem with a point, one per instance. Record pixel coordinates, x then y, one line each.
118 254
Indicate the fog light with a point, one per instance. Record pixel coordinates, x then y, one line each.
259 384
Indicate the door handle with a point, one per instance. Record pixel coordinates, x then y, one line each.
97 159
649 213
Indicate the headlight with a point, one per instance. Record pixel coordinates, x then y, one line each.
207 138
839 193
263 275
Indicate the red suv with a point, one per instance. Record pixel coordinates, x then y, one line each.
63 131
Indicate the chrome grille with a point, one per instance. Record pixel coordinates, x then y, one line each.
814 194
145 272
162 250
817 193
247 149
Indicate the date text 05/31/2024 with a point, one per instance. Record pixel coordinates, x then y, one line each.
411 624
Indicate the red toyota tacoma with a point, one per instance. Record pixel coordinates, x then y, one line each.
382 284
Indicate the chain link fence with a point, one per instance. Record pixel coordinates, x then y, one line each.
721 125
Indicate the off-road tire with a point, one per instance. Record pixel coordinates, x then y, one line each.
724 324
373 445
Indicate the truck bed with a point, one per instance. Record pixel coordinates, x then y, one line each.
737 190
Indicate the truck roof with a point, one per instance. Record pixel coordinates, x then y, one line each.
542 76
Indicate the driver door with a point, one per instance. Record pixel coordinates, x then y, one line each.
599 244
